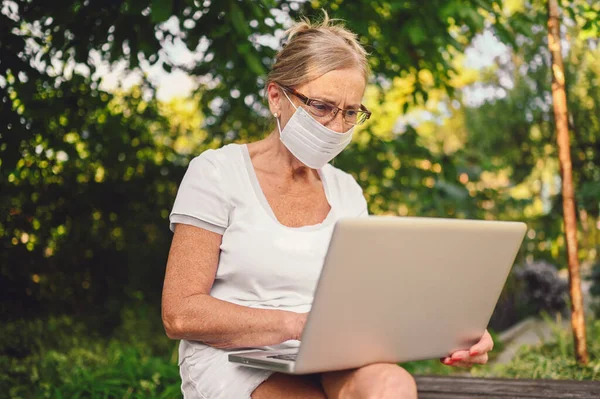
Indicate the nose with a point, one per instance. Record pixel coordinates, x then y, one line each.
337 124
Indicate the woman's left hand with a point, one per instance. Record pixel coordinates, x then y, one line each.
477 354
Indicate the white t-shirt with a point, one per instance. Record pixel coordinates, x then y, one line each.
263 264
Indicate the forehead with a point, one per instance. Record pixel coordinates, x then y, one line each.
346 85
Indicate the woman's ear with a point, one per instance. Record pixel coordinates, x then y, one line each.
274 98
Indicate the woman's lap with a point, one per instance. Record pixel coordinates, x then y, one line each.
208 374
212 376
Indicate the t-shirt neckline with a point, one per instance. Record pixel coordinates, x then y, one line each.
262 199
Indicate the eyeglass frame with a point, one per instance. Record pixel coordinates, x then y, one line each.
307 101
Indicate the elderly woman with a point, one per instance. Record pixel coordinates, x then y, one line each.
251 227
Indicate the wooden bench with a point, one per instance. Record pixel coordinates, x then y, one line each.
434 387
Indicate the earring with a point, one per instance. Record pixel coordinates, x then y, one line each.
275 114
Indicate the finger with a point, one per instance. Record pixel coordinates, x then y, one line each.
459 355
455 356
479 359
462 365
484 345
448 362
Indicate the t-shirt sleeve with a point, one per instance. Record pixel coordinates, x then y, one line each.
201 199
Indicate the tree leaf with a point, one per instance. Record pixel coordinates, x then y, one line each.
161 10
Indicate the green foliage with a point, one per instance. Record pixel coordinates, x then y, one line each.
586 15
76 220
61 358
429 367
515 133
407 36
554 359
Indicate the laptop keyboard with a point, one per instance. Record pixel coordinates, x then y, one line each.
290 357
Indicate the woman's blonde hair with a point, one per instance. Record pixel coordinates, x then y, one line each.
313 49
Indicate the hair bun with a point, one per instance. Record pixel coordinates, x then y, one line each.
299 27
311 49
305 25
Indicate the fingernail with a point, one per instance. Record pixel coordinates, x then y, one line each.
473 353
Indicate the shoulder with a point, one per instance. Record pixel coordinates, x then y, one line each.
220 164
216 169
219 157
204 195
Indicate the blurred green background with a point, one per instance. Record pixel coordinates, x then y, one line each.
103 104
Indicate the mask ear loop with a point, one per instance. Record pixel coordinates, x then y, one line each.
276 116
278 125
286 96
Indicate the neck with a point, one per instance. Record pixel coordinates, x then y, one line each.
274 156
284 157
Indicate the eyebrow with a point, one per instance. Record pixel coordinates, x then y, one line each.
329 100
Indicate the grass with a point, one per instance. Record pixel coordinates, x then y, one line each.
554 359
61 358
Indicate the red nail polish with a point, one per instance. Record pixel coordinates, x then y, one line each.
474 353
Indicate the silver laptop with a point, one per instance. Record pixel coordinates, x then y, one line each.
396 289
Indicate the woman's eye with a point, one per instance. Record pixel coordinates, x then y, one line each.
351 113
321 106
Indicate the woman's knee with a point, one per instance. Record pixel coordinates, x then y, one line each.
380 380
389 381
290 386
400 383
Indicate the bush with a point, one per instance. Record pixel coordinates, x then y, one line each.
61 358
594 277
531 289
546 291
510 308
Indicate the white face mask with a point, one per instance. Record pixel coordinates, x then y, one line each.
309 141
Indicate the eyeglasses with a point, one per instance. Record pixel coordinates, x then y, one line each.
324 110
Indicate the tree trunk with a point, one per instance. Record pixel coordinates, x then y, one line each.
559 100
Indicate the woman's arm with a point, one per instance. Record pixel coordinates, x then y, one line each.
189 312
